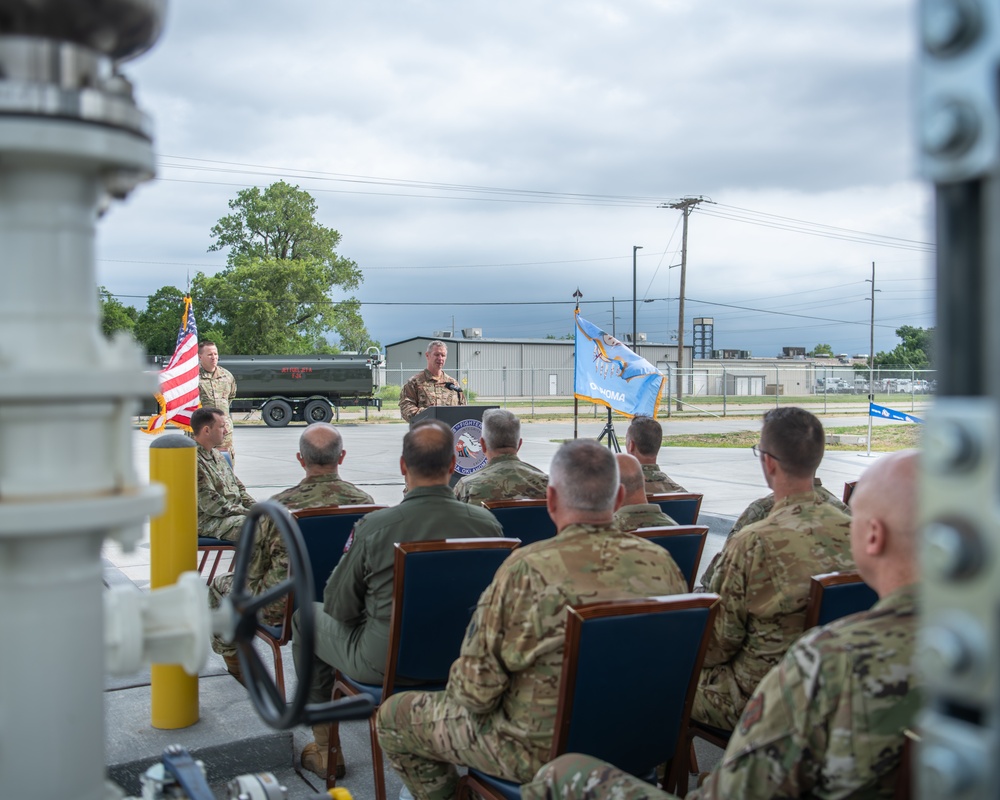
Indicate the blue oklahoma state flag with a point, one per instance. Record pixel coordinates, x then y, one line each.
609 374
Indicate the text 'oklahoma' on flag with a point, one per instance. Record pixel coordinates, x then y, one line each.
178 396
610 374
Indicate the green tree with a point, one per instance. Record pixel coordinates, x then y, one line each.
913 352
115 315
822 350
275 294
157 325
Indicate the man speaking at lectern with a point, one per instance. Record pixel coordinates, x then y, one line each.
432 386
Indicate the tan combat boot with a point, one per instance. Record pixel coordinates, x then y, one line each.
314 754
233 665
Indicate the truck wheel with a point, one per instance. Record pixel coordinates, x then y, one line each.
318 411
276 413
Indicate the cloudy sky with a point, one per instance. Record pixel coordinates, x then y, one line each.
484 160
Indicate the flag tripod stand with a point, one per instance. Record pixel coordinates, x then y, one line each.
609 431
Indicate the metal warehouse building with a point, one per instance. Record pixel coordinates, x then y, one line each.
508 367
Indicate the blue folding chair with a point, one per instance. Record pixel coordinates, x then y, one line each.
833 595
684 542
620 645
527 520
682 507
436 586
324 531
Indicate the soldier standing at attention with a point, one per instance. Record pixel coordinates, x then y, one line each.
321 452
432 386
497 712
762 573
217 388
643 440
505 476
829 720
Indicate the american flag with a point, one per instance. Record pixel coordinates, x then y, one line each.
178 396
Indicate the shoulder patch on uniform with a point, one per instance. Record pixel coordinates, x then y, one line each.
752 714
349 542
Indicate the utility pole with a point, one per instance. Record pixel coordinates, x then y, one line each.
871 358
635 247
685 205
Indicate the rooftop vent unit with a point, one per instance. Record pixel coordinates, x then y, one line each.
639 337
442 334
472 333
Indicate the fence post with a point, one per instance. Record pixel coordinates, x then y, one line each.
724 391
669 391
777 379
532 388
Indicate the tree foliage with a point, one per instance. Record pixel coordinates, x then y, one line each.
157 325
115 315
822 350
276 293
914 350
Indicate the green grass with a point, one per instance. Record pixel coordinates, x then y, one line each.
884 438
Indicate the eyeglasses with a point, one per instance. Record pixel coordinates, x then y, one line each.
758 451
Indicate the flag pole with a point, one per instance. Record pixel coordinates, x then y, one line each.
576 402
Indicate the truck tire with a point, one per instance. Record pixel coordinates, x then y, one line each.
276 413
318 411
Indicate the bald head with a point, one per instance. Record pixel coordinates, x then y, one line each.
321 449
428 453
631 478
884 522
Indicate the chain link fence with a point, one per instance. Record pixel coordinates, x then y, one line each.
712 389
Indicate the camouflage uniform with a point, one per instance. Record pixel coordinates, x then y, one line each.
658 481
216 390
762 577
759 509
269 561
222 498
352 624
828 721
423 390
506 477
498 710
642 515
578 777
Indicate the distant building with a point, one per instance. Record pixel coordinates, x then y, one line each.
510 367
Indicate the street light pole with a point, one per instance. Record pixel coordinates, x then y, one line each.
634 327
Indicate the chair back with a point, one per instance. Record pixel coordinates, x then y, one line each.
836 594
325 531
682 507
684 542
527 520
641 724
849 490
436 586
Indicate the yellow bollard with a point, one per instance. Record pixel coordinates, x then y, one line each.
173 545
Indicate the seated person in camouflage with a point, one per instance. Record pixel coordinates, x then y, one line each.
643 440
762 573
497 712
222 498
505 476
759 509
321 452
829 720
431 386
352 623
635 512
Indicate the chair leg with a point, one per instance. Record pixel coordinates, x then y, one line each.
332 751
377 766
